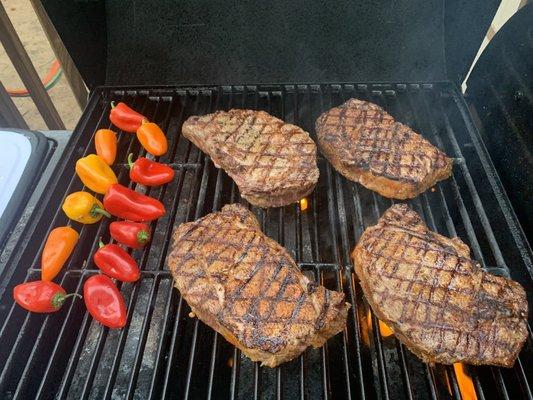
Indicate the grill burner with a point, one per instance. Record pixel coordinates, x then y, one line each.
163 353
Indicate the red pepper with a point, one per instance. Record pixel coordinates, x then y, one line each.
40 296
149 173
131 234
129 204
104 301
115 262
124 118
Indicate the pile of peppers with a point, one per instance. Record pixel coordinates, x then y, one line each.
102 297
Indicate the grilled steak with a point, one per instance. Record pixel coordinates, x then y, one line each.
437 300
273 163
248 288
366 145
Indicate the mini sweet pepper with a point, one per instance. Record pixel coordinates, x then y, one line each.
59 245
125 118
95 173
129 233
125 203
84 207
148 172
116 263
152 138
105 143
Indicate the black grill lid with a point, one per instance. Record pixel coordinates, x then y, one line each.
228 42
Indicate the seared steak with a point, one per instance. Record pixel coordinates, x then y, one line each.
437 300
366 145
248 288
273 163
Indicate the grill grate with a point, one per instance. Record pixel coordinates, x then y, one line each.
162 353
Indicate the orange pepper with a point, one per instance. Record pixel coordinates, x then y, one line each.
105 141
152 138
58 248
95 173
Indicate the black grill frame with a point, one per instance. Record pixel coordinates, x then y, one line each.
67 355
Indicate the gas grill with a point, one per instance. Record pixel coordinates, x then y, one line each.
163 352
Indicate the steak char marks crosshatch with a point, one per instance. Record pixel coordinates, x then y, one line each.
438 301
366 145
272 162
248 288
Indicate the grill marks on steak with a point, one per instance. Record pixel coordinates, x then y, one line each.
247 287
438 301
365 144
273 163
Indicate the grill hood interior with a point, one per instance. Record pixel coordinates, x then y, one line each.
229 42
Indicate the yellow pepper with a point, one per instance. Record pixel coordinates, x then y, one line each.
84 207
95 173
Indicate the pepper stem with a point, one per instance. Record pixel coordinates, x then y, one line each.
143 237
59 299
113 105
130 160
97 210
100 243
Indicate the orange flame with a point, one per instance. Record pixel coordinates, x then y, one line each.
385 330
466 387
303 204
